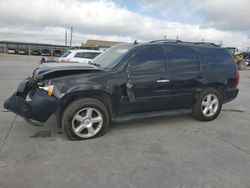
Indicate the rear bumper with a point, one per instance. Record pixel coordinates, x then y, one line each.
230 94
39 108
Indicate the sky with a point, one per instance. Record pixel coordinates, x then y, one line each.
45 21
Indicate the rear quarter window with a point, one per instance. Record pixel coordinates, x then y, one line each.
215 56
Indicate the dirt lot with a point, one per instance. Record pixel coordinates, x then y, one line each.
170 152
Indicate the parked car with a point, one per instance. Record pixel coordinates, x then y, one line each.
57 53
11 51
246 57
129 81
45 52
47 60
22 52
35 52
79 56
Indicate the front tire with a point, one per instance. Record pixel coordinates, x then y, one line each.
85 118
208 105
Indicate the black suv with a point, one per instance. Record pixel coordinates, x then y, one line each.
129 81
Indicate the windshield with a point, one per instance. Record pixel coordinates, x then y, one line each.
112 56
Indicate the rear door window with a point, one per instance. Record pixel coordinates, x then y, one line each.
182 59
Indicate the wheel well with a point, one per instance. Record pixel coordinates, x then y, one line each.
218 86
102 97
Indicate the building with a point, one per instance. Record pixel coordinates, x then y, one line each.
99 44
30 47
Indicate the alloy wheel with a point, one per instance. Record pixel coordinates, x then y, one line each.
87 122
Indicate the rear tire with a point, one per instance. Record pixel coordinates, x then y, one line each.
208 105
85 118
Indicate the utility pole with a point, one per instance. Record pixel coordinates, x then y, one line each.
66 36
29 49
177 37
4 48
71 33
165 37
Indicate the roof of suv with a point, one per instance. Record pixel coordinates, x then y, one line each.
180 43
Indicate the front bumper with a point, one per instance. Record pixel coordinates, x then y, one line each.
39 108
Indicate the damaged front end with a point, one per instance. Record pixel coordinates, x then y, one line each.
32 102
38 97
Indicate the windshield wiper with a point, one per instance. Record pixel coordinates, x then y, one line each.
95 64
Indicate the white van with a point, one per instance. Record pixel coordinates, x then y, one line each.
79 55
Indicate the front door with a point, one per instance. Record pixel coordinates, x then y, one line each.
149 80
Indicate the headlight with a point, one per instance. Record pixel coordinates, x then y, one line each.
48 88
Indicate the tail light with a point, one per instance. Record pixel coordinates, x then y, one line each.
237 80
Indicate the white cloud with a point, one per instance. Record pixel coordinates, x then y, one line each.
225 14
222 14
46 20
150 5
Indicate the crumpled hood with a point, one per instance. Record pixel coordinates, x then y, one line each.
62 69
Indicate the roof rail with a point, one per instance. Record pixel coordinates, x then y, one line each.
202 43
167 40
183 42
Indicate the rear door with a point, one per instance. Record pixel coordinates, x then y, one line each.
149 79
184 75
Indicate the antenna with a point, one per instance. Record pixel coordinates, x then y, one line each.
135 42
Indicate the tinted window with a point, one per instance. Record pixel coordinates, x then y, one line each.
88 55
182 59
149 60
215 56
79 55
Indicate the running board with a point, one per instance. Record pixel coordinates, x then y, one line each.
144 115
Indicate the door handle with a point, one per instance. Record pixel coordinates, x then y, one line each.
163 81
